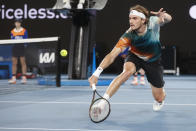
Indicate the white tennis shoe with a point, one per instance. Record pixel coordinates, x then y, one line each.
12 80
24 80
158 106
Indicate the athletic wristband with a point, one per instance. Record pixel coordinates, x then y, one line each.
98 72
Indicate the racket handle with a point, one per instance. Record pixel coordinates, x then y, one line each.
93 87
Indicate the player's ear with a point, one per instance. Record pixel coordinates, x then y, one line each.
143 21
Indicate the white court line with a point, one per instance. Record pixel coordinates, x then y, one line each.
122 89
43 102
72 102
50 129
146 90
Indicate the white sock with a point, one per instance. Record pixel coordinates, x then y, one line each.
103 102
106 96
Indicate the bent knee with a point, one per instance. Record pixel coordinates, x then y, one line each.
129 68
127 74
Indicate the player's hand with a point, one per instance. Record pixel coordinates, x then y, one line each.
93 80
160 13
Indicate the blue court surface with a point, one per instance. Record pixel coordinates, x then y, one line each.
34 107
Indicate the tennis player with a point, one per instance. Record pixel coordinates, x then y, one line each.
18 51
145 51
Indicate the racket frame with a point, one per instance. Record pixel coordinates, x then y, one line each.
94 100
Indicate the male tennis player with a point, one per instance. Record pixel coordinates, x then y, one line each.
145 51
18 51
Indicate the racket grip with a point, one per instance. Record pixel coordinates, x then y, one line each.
93 87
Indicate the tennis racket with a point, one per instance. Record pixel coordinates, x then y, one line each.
100 107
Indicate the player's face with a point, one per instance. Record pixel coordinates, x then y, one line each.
17 24
135 22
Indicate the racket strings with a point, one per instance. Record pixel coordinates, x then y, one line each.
100 109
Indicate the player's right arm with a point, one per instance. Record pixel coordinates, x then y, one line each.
122 44
163 17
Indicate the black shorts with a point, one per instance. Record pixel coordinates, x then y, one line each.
18 50
153 70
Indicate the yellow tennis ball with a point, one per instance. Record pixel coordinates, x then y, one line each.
63 52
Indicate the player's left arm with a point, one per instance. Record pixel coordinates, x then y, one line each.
163 16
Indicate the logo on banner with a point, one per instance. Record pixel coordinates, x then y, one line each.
47 58
26 12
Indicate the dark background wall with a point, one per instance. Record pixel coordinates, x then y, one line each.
112 22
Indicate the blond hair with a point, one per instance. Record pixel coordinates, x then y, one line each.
142 10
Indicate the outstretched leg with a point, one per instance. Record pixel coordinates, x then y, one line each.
128 70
